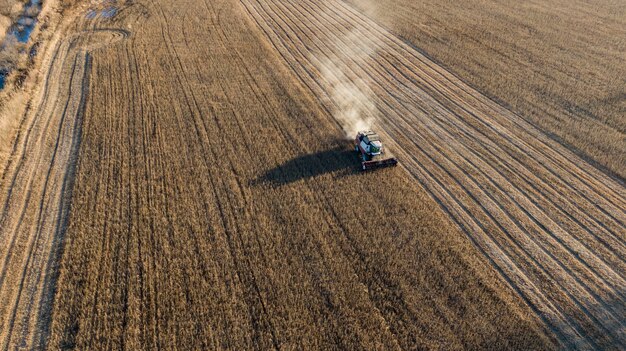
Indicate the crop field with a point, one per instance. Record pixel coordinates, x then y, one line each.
558 63
182 179
551 223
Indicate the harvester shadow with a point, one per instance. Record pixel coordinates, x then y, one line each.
341 162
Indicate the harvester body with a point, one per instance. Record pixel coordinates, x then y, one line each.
370 148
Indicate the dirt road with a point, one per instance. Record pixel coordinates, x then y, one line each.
553 225
37 187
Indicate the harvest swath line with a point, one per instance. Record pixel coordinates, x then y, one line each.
551 223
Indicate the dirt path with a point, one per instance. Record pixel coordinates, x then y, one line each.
38 185
553 225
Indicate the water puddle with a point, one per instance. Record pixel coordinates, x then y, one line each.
20 32
3 77
105 9
25 24
108 13
91 14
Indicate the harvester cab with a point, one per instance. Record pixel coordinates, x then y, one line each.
370 148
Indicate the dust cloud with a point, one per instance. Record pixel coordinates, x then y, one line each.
353 107
350 96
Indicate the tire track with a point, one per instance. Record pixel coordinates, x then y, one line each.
498 163
35 206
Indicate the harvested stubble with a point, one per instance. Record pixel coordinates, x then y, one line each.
213 204
215 207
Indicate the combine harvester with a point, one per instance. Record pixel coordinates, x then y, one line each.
370 147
